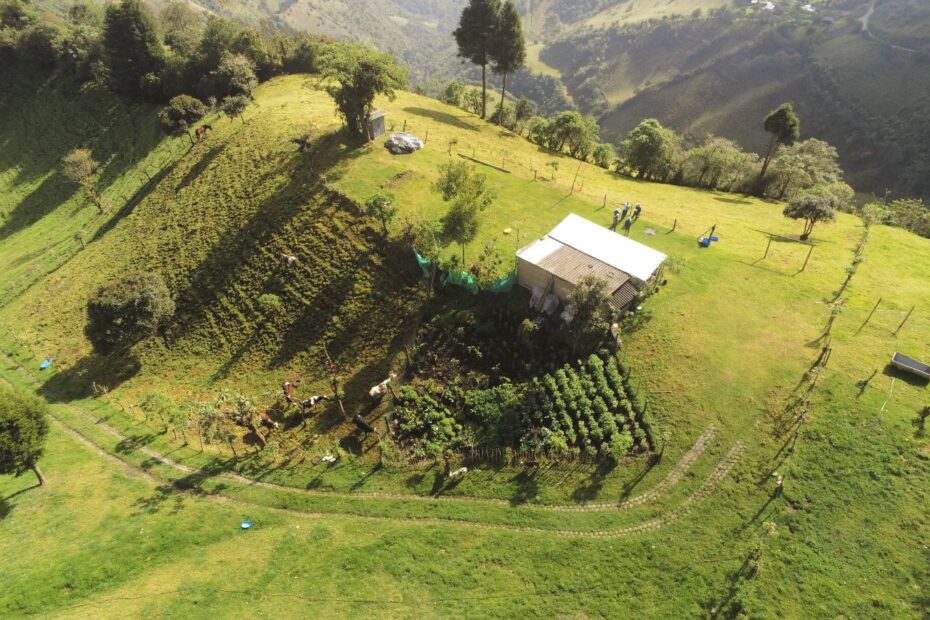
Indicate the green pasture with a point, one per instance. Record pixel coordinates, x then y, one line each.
731 342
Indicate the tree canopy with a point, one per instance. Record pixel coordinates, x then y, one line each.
648 149
469 194
785 127
358 74
591 319
133 49
126 311
475 38
381 207
23 429
235 75
811 208
79 167
181 113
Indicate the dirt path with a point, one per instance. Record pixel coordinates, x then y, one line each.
703 492
672 478
866 21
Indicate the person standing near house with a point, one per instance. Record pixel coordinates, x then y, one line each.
626 209
627 225
613 226
636 211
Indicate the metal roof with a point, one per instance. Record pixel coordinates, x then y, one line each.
635 259
571 265
623 296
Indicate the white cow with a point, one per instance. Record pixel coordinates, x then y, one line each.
381 389
458 473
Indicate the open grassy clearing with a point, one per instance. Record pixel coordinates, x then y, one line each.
726 343
534 64
634 11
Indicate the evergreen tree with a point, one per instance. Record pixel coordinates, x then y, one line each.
785 128
132 46
23 428
475 38
508 52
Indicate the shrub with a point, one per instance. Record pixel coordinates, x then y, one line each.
495 413
23 428
269 302
181 113
126 311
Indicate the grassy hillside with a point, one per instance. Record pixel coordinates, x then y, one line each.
730 355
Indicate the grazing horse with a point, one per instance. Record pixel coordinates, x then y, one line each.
362 424
202 131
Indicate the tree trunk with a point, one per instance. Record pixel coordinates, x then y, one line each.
38 473
484 91
768 157
500 117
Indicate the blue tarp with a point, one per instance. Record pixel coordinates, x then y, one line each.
45 364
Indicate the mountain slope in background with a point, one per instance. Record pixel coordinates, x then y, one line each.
858 71
860 83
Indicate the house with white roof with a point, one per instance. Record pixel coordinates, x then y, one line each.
578 248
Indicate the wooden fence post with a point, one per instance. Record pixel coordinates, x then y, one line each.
904 321
869 318
811 251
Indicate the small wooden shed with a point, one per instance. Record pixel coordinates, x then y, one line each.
376 124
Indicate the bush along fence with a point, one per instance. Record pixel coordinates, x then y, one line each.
465 279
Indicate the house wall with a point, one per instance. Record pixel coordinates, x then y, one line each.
377 127
530 275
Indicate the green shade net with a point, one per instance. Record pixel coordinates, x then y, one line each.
463 279
426 265
504 285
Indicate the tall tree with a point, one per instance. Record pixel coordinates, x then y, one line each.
133 49
785 127
508 51
23 428
358 74
475 38
590 323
